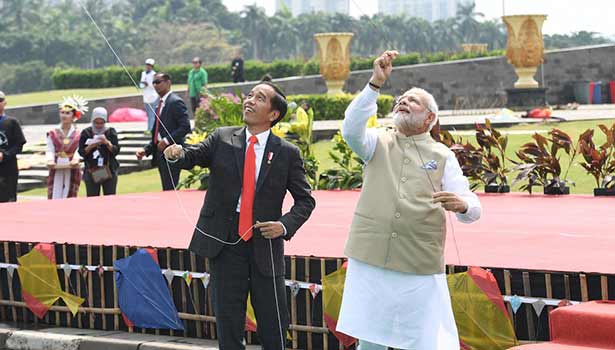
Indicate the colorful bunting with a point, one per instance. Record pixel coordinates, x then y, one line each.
187 276
205 280
40 283
294 288
83 270
168 274
515 303
67 269
538 306
315 289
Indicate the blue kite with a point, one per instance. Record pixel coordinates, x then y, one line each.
144 298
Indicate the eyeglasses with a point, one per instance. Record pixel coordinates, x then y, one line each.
1 100
158 81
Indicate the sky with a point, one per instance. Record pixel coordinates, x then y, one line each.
564 16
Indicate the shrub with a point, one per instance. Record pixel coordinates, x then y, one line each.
332 107
254 70
27 77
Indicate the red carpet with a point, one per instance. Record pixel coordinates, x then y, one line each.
568 233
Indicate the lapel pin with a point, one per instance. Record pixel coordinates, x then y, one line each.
269 158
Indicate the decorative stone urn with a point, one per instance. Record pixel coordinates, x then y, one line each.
334 56
525 47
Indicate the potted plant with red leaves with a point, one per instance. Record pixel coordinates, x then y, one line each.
540 164
600 161
469 157
493 145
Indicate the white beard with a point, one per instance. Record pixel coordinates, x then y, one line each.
408 123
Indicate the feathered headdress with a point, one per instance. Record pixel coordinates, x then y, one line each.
74 103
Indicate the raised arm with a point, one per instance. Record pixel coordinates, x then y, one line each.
354 129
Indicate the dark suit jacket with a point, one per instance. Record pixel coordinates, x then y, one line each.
174 117
223 152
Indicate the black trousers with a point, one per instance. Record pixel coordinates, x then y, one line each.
165 177
234 274
92 189
194 103
8 187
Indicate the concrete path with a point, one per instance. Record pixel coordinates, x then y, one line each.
82 339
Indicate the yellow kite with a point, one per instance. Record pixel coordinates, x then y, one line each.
40 285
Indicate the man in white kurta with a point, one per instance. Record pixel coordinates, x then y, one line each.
395 294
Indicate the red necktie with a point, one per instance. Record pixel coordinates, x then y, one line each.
157 122
247 192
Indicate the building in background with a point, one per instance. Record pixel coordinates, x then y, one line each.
430 10
298 7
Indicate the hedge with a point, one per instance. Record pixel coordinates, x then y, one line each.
25 77
332 107
254 70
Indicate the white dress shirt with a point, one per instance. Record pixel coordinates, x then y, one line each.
363 141
163 101
259 151
149 93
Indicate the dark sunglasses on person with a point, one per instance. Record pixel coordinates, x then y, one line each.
158 81
1 100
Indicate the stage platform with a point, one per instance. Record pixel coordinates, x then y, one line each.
517 231
537 247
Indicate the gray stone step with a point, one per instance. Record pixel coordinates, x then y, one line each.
129 149
139 137
34 174
130 158
133 143
28 184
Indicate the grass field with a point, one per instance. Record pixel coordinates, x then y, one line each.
148 181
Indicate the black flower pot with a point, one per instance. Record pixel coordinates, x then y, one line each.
492 188
552 190
604 192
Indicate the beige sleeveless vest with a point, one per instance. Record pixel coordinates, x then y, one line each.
396 225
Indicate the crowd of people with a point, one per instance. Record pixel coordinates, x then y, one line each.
90 155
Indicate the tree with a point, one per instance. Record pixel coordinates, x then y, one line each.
467 24
254 26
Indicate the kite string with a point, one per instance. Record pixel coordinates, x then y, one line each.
102 34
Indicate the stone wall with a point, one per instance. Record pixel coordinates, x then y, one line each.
461 84
473 83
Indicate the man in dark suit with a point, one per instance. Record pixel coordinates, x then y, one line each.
171 126
251 170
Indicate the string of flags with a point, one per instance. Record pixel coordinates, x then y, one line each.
515 301
169 274
538 304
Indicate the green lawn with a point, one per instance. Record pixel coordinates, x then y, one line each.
148 181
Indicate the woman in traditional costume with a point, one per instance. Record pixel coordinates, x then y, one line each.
62 157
